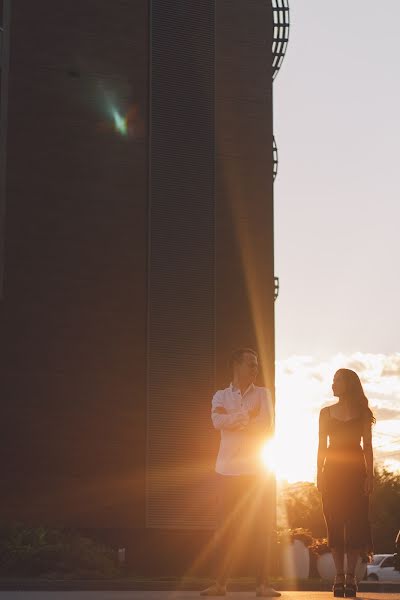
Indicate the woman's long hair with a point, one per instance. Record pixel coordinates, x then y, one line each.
356 394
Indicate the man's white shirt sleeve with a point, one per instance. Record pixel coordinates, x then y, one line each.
233 421
264 421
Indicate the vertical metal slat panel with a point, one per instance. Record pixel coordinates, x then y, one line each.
5 9
181 270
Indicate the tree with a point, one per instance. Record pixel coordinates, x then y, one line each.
385 510
299 505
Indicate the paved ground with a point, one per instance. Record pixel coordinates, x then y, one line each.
104 595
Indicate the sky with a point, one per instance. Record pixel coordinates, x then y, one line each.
337 215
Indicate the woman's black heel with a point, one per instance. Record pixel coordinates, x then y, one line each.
338 590
338 587
350 590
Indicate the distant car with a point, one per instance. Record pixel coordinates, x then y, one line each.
382 568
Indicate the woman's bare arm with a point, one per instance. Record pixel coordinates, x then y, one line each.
369 456
322 447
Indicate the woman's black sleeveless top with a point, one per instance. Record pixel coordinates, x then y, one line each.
345 457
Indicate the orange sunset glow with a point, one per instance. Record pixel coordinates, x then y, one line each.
304 387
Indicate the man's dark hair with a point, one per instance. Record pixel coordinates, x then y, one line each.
237 356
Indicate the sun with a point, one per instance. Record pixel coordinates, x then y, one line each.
268 456
288 461
292 453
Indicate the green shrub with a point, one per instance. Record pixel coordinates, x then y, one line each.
287 536
53 553
320 546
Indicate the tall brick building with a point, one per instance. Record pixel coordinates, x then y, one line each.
136 205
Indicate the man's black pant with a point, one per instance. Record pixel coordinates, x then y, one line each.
244 525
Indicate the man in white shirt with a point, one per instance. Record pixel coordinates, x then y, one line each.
243 413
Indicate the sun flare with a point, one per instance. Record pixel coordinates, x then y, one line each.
291 459
292 453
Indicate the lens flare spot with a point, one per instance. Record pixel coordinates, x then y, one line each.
120 123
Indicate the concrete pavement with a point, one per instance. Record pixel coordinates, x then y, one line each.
136 595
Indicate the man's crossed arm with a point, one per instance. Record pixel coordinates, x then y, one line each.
258 419
233 421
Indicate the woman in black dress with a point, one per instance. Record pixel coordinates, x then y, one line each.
345 476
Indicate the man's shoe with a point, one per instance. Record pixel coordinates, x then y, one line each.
266 591
214 590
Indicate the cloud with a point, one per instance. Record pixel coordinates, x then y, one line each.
388 454
371 368
357 365
385 414
316 375
391 366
